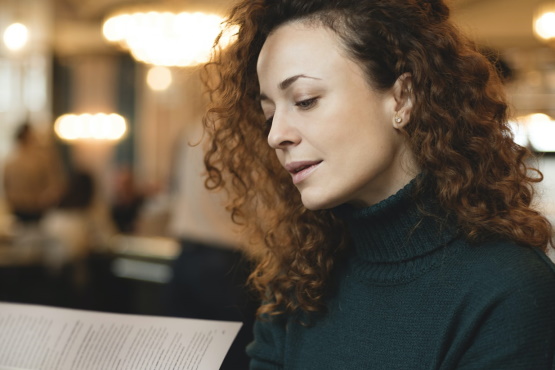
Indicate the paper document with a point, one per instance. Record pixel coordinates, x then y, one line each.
48 338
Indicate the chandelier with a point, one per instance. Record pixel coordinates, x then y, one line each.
166 38
544 22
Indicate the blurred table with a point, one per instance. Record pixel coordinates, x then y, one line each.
131 274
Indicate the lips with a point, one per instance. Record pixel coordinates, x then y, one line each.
301 170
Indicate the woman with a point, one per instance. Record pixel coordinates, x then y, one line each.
395 212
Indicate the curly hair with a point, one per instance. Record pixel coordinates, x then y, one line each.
458 132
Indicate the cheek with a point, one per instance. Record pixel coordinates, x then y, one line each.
280 156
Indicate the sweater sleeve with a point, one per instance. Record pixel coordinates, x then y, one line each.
267 349
518 329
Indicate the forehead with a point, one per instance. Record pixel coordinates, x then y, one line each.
298 44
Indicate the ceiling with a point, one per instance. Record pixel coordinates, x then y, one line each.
77 23
499 24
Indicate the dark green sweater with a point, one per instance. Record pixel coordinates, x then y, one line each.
412 295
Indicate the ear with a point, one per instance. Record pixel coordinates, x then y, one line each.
402 93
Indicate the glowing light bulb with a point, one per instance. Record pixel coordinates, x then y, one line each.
545 26
99 126
159 78
16 36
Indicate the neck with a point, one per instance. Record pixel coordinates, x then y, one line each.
399 228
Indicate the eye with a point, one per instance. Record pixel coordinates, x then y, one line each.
307 103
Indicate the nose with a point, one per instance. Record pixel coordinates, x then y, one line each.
282 133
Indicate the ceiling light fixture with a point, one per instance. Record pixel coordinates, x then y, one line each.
544 22
159 78
99 126
166 38
16 36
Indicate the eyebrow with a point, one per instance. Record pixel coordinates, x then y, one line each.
288 82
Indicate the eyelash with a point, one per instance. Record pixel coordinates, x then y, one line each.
307 103
303 104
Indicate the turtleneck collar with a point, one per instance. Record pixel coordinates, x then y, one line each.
395 230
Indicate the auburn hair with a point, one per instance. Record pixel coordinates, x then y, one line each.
458 132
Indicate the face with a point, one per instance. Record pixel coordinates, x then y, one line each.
331 131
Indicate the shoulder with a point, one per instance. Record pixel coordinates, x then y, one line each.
507 268
509 295
269 344
507 257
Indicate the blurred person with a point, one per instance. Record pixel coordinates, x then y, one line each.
33 179
33 183
76 222
69 231
74 229
366 145
210 272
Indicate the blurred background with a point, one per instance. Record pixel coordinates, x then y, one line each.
102 203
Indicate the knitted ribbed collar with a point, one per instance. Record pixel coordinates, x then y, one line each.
395 230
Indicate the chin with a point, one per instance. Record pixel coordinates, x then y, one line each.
319 202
